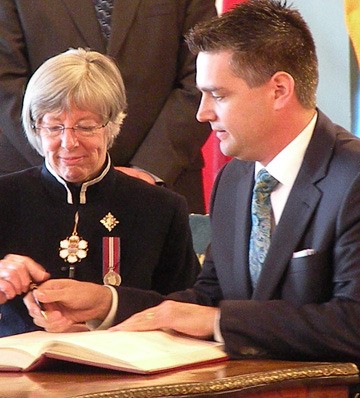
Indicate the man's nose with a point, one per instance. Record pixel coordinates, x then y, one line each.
205 112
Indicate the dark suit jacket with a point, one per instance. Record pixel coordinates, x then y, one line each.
155 240
302 308
160 133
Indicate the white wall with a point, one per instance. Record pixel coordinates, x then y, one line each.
333 49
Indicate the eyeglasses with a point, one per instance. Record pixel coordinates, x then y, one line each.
79 130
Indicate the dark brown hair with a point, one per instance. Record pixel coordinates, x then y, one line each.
265 36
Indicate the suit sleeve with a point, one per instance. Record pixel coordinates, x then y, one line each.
323 329
176 134
178 265
14 72
132 300
206 290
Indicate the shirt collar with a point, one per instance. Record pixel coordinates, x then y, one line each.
286 164
84 186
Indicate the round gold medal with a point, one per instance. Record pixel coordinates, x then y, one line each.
112 278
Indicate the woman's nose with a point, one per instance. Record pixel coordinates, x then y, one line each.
69 139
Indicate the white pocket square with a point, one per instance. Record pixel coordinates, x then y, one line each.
303 253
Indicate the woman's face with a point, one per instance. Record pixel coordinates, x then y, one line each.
75 156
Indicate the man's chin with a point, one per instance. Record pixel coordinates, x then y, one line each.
226 149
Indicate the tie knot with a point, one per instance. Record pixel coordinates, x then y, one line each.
265 182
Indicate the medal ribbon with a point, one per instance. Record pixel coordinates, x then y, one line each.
111 254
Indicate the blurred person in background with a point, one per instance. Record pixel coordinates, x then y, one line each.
161 139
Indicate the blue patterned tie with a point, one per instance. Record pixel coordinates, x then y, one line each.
261 222
103 10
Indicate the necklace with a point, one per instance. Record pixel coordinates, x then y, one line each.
74 248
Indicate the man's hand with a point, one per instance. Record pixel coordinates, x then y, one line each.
191 319
68 303
142 175
16 274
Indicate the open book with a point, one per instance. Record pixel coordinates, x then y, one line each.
137 352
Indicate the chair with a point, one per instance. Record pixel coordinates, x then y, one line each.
201 233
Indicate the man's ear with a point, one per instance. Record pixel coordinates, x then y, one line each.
284 89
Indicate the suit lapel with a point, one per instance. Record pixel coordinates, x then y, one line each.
86 22
298 211
299 208
241 281
123 16
230 224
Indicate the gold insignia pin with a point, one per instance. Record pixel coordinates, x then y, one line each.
109 222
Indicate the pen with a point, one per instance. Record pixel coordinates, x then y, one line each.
33 286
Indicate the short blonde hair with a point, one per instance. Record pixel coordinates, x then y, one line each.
82 78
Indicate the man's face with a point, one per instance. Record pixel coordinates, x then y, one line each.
241 116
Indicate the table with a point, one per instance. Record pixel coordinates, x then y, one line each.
229 379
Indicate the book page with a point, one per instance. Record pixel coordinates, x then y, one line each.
142 351
135 351
20 350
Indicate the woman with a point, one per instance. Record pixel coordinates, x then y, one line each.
76 215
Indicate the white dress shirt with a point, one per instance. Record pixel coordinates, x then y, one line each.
285 167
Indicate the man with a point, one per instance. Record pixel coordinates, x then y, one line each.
257 71
160 135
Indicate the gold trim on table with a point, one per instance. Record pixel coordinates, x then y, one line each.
250 382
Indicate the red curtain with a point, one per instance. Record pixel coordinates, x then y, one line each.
214 159
228 4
